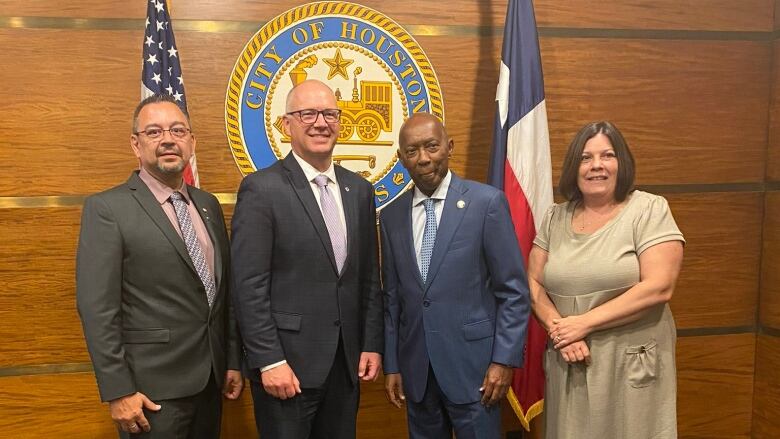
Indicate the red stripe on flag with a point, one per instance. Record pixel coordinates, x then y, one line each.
188 177
528 382
522 216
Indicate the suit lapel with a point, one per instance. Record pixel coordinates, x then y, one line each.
147 201
206 215
455 206
350 213
303 190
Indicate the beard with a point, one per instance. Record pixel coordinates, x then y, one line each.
167 167
172 168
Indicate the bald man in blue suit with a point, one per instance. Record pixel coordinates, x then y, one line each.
456 293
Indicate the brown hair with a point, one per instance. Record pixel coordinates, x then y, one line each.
567 185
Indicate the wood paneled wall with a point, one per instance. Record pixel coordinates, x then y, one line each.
766 400
694 86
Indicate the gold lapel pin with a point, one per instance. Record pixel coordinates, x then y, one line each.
461 204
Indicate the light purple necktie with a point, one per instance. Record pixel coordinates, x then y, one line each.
193 246
330 213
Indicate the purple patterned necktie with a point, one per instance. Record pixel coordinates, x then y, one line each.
193 246
330 213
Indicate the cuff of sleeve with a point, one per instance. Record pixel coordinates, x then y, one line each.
271 366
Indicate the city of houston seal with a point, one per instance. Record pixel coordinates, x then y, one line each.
378 71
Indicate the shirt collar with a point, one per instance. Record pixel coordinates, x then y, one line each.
310 171
161 191
439 194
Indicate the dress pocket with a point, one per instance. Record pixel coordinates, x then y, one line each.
642 364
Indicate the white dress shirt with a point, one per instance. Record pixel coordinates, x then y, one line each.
333 186
418 211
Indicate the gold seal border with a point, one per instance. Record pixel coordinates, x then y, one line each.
329 45
282 21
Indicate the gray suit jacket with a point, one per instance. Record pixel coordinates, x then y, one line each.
290 301
143 307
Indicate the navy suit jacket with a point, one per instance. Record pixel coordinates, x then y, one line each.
472 310
291 303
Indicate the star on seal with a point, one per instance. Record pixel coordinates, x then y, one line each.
338 65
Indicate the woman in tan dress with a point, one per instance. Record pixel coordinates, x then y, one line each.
601 272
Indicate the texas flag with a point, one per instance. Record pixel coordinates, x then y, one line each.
520 166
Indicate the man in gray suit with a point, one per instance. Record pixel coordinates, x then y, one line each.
306 279
152 289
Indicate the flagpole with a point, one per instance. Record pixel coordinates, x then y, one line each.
520 166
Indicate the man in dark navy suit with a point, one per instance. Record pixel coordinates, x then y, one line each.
306 276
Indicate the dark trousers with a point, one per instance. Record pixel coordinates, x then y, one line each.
434 417
327 412
193 417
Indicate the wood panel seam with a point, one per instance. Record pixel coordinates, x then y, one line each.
726 330
227 26
654 34
44 369
769 331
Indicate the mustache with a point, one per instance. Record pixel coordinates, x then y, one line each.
172 149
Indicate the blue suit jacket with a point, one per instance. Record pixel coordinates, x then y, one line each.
473 309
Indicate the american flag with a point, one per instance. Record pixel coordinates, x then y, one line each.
161 67
520 166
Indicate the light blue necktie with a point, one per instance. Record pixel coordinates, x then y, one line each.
193 246
429 237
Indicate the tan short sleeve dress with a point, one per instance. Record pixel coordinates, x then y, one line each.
629 389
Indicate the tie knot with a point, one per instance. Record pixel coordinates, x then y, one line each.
177 196
321 180
428 203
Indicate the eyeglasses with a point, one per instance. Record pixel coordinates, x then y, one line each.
310 115
157 133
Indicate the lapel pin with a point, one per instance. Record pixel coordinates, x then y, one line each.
346 188
461 204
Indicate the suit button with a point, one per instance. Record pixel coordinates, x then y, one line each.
426 303
337 322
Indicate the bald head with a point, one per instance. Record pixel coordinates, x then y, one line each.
424 148
433 123
312 141
307 91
